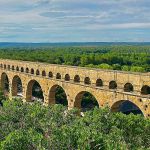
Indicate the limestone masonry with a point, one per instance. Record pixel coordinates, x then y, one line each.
109 87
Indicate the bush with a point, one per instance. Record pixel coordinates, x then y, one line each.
34 126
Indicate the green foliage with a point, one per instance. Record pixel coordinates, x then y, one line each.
124 57
60 96
125 68
2 98
34 126
137 69
22 140
104 66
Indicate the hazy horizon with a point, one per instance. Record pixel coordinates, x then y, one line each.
70 44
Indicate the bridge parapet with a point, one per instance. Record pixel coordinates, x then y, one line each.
137 80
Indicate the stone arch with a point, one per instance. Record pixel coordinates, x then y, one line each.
58 99
17 68
32 71
77 79
13 68
27 70
17 86
85 101
87 81
5 83
145 90
37 72
128 87
58 76
43 73
126 107
4 66
22 69
8 67
67 77
34 91
112 85
50 74
99 82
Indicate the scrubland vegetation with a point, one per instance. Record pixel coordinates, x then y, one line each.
26 126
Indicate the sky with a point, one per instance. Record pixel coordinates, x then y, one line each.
74 21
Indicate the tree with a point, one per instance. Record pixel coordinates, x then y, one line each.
84 60
22 140
116 67
2 98
137 69
104 66
125 68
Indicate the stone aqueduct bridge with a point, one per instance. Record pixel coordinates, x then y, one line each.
109 87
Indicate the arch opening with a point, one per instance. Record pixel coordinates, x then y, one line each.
57 95
67 77
50 74
99 83
128 87
87 81
22 69
17 68
17 86
77 79
126 107
37 72
27 70
34 92
13 68
5 84
4 66
32 71
145 90
8 67
85 101
43 73
112 85
58 76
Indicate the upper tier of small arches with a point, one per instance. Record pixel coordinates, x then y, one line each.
128 87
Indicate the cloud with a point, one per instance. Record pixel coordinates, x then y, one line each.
48 20
120 26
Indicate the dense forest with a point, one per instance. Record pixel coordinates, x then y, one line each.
123 57
33 126
25 126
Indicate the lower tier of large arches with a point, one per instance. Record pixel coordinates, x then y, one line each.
34 91
71 95
85 101
126 107
16 86
57 95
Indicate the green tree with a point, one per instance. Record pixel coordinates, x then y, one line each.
116 67
125 68
22 140
104 66
137 69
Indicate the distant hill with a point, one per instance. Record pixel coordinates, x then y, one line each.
68 44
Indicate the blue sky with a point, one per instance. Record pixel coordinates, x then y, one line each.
74 21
